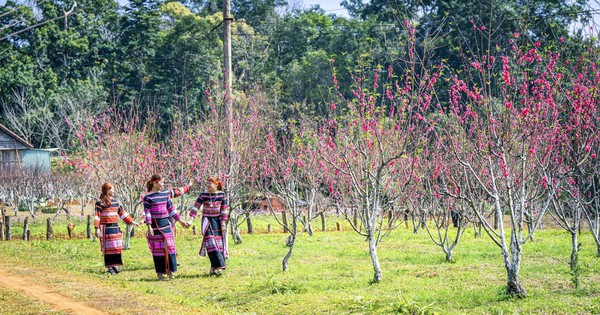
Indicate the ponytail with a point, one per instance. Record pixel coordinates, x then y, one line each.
150 184
104 197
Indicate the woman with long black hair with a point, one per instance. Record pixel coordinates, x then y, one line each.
214 224
158 208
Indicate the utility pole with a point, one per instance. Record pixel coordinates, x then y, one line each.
227 77
228 85
228 99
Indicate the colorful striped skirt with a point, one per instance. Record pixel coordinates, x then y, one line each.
212 242
111 244
162 246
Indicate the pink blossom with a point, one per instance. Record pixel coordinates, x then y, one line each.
545 182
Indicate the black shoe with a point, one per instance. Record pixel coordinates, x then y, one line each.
116 269
112 271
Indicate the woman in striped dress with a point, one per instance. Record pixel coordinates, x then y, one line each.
107 212
158 208
214 224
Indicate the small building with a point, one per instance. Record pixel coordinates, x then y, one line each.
16 152
263 204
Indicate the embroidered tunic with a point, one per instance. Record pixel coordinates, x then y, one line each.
106 219
214 211
158 208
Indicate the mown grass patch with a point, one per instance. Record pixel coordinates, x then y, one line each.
330 273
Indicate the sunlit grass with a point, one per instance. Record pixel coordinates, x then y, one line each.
330 273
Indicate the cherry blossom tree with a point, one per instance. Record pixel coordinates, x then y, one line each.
503 117
572 163
292 170
120 149
374 141
204 148
445 211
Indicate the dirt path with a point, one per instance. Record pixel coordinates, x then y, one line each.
44 294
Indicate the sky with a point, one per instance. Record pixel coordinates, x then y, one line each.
330 6
333 6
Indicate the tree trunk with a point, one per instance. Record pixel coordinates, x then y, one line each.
25 228
2 228
307 226
290 242
89 226
323 225
7 229
249 222
477 229
127 236
448 255
574 250
31 208
285 222
513 286
374 258
574 263
235 231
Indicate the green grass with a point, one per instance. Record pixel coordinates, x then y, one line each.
330 273
17 303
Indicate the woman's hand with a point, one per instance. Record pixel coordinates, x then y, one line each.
223 225
184 224
97 233
150 231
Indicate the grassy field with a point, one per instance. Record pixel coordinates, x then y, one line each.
329 273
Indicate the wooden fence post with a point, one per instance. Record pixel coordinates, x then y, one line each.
7 230
1 228
70 227
338 226
269 228
89 226
29 235
49 229
194 230
249 222
323 225
25 228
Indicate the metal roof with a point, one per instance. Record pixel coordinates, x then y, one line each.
14 135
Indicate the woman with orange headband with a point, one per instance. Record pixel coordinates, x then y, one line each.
214 224
158 208
107 212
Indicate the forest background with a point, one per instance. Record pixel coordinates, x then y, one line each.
161 57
